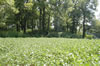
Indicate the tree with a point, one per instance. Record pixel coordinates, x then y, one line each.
19 5
40 15
87 7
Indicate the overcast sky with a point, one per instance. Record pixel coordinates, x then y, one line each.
97 13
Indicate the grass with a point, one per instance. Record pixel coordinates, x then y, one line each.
49 52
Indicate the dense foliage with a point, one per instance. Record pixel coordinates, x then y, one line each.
72 16
49 52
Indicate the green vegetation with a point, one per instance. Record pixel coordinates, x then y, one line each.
50 23
49 52
44 16
16 34
89 36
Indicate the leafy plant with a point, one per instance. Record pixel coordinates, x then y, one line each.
49 51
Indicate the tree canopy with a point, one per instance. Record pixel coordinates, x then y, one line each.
47 15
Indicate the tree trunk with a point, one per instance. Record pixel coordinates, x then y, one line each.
40 17
25 24
67 26
49 22
24 27
32 25
18 22
43 21
40 20
21 23
73 25
17 27
84 30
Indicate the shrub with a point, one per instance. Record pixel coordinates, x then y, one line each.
11 34
63 34
89 36
38 34
52 34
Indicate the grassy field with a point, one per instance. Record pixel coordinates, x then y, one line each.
49 52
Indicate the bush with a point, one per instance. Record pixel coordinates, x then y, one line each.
11 34
97 35
38 34
89 36
63 34
52 34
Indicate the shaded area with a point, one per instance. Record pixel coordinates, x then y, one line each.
48 18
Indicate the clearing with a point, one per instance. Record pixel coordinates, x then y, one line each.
49 51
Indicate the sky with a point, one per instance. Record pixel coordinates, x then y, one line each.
97 13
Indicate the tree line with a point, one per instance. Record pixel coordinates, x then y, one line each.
45 15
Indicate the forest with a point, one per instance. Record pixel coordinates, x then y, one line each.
49 18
